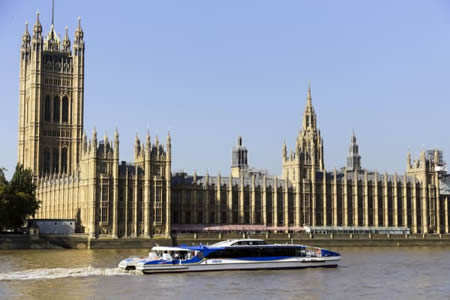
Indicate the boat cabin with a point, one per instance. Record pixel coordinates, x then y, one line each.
171 253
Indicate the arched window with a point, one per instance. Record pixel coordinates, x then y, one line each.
64 160
46 160
55 160
47 109
65 109
56 109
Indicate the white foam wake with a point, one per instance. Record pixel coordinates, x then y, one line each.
39 274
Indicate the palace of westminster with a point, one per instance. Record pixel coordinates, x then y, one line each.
81 178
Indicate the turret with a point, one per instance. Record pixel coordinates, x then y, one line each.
94 141
436 158
353 158
66 41
105 139
169 147
116 145
239 159
26 38
52 41
137 147
408 161
37 30
79 35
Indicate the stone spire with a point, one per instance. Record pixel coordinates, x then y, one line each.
309 116
169 145
66 41
37 29
408 160
308 96
148 141
105 139
79 34
116 136
436 159
116 144
353 158
309 142
169 140
137 145
26 38
94 139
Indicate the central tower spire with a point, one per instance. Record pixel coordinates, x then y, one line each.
309 141
309 116
308 97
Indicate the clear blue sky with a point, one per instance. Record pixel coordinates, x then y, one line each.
212 70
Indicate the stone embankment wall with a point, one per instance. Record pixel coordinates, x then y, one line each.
81 241
77 241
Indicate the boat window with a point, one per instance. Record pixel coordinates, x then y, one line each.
300 252
250 243
257 252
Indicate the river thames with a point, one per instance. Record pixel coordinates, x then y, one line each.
369 273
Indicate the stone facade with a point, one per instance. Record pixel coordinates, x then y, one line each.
82 178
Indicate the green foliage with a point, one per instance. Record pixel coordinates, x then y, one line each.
2 175
17 198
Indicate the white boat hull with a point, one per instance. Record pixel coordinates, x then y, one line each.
237 265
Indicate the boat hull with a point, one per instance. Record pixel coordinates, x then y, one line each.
237 266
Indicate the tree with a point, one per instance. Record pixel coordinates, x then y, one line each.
3 201
2 175
17 199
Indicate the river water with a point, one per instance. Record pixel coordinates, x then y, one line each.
369 273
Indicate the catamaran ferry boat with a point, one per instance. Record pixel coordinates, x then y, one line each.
243 254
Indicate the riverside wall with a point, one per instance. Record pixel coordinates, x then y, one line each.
79 241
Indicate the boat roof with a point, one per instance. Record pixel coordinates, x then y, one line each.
221 244
232 242
167 248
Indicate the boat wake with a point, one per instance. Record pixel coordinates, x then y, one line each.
56 273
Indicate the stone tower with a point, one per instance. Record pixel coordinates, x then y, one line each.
309 140
308 154
300 166
239 159
353 158
51 100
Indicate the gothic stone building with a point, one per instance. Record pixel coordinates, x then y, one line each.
81 178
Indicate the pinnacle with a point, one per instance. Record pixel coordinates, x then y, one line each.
308 97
